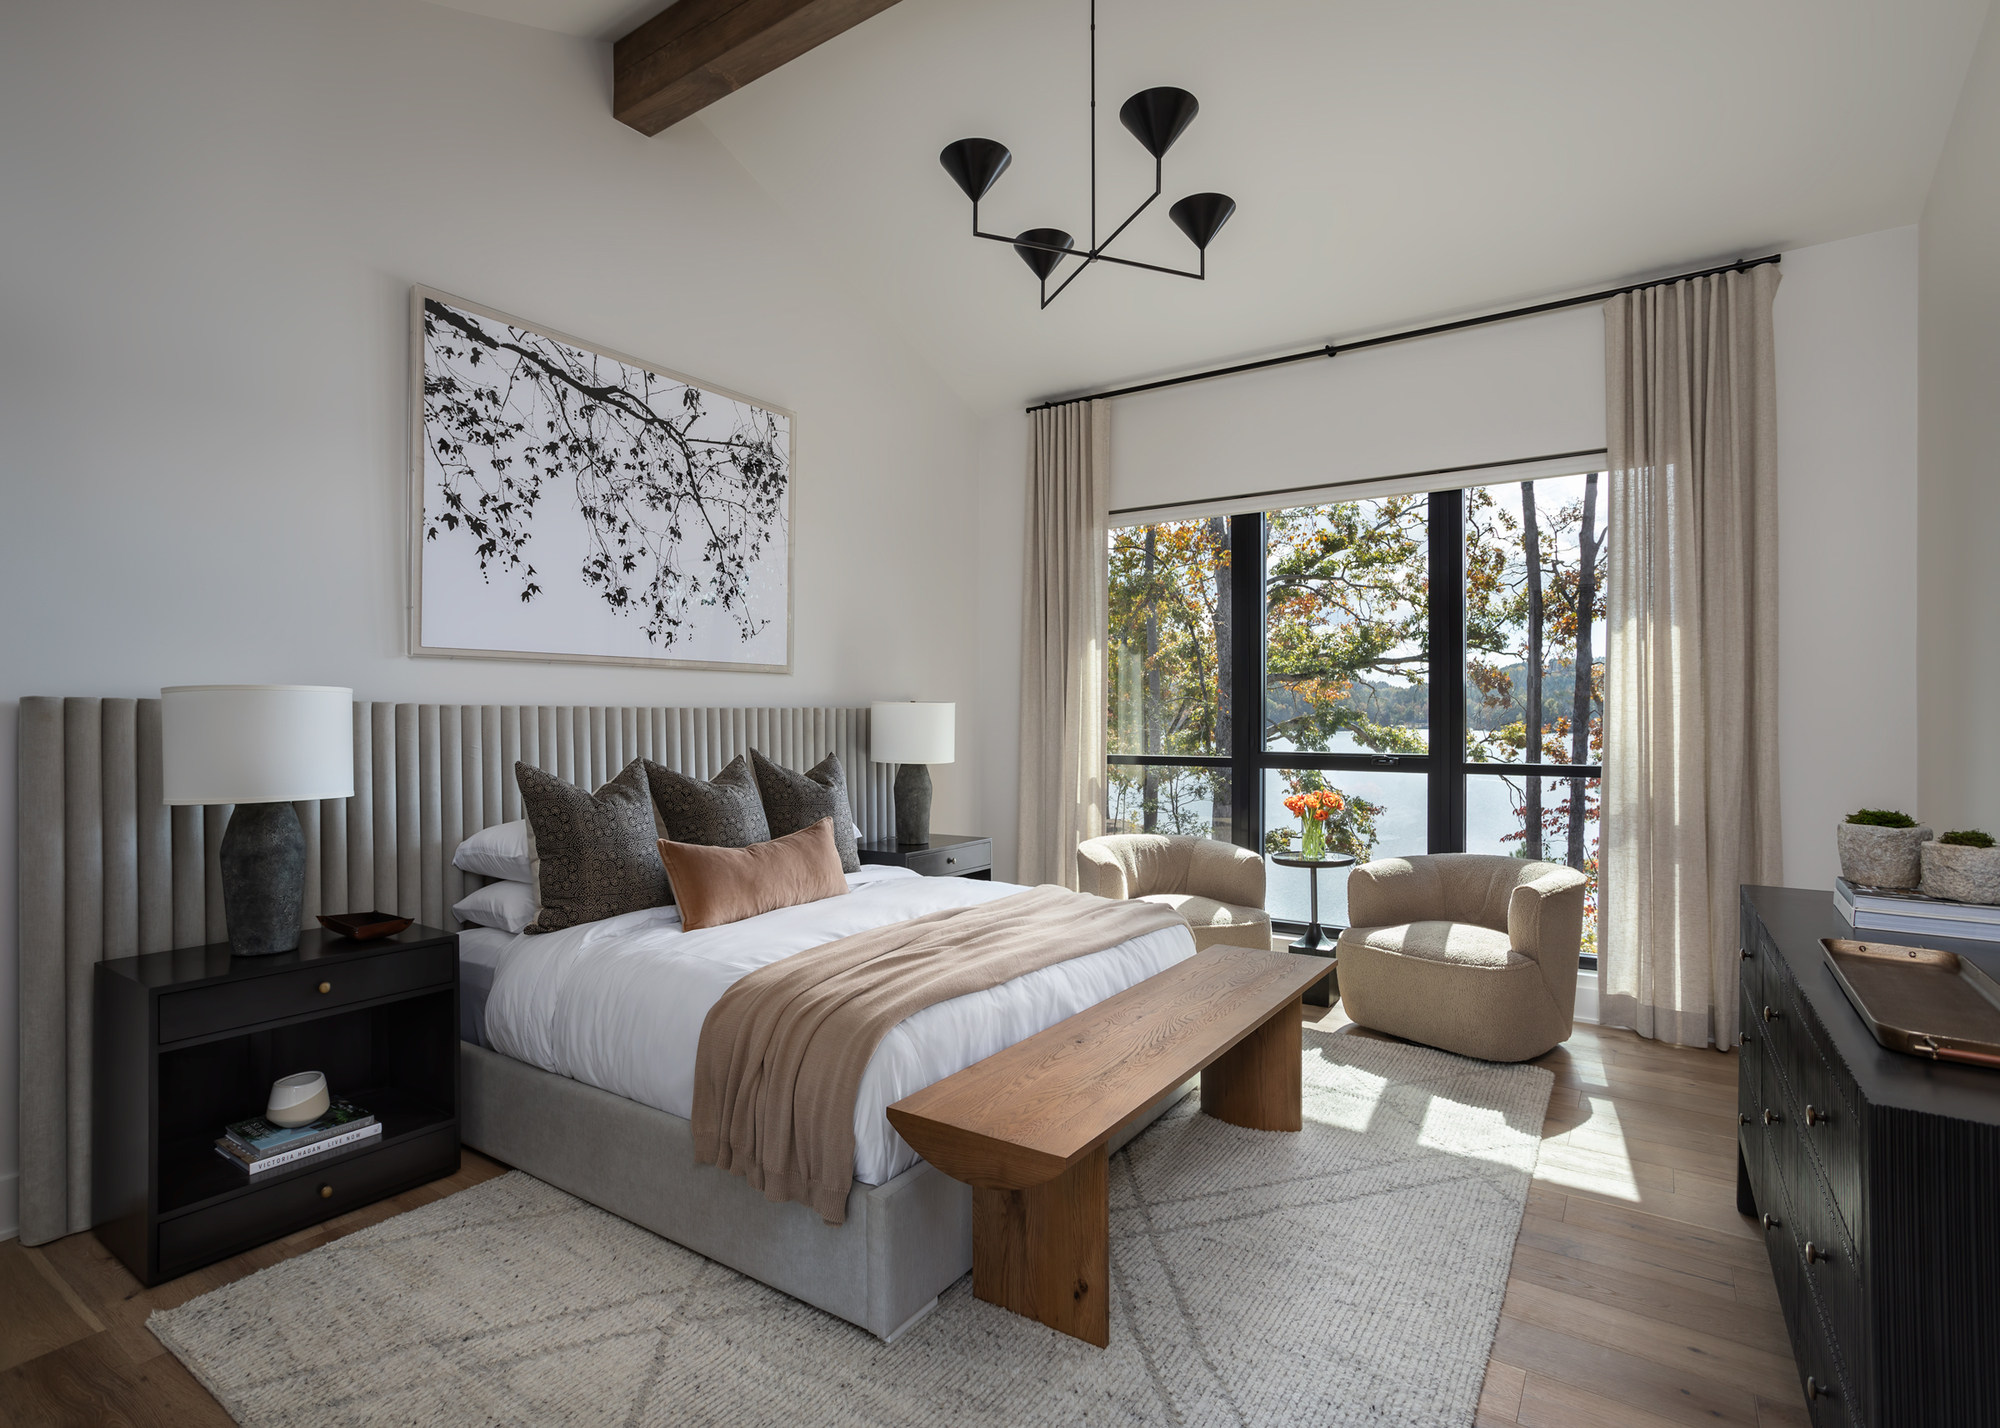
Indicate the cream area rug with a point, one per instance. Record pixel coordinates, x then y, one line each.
1348 1274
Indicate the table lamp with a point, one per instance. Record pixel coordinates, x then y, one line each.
262 747
911 736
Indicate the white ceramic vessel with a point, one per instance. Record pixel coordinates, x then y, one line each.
297 1099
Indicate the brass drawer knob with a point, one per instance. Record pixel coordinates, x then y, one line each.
1744 953
1816 1389
326 1192
1741 1119
1816 1255
1815 1117
1744 1038
1772 1118
951 862
325 987
1770 1015
1770 1222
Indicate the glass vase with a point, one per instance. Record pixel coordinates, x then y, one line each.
1312 839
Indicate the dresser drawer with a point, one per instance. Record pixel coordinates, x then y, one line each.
308 989
1750 1058
344 1183
952 862
1829 1400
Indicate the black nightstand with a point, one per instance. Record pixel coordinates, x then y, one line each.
190 1040
947 855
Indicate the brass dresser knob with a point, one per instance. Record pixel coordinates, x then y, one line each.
1770 1015
1816 1255
1772 1118
1770 1222
1815 1117
326 1192
325 987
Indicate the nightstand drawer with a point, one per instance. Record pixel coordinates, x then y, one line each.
953 861
344 1183
309 989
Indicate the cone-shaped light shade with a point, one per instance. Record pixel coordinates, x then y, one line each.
1201 216
1157 117
1040 260
975 165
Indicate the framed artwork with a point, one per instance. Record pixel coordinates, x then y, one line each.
571 503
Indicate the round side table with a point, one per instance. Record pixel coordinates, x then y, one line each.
1310 942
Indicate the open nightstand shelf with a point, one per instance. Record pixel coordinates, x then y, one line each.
188 1041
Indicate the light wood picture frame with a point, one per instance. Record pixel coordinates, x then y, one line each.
570 503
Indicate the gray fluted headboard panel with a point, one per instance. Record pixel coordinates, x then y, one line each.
107 870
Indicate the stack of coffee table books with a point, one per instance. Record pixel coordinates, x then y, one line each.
258 1145
1906 910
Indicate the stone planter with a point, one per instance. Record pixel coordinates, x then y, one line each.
1881 857
1962 874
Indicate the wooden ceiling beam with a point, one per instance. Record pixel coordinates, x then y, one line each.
694 52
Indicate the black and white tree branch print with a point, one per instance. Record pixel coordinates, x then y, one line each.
680 490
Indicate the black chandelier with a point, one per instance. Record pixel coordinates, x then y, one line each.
1155 117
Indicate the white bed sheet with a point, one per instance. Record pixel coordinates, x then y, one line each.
479 953
619 1004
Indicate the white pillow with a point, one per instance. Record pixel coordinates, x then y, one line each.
497 852
509 906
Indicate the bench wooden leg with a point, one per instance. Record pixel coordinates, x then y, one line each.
1257 1082
1045 1252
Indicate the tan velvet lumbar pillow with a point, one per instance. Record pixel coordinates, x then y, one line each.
720 885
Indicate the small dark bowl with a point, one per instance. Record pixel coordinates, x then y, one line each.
364 926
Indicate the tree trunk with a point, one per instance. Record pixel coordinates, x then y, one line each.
1225 671
1149 702
1579 719
1531 549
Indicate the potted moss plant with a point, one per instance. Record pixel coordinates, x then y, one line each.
1881 848
1963 866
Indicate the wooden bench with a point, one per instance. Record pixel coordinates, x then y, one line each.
1028 1128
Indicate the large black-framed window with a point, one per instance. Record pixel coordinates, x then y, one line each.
1420 657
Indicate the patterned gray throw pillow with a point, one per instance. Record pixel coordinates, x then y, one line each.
724 812
798 800
594 855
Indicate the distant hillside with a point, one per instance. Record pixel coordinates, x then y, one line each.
1410 705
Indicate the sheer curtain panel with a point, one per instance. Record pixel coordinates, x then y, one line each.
1690 743
1063 636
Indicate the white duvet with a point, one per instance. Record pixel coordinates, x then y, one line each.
619 1004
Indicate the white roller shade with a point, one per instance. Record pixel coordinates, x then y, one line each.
1508 402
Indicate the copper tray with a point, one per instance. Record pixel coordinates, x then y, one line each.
1920 1001
367 926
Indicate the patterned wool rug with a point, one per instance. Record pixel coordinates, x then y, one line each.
1350 1274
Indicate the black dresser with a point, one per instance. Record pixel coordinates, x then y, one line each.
188 1041
1876 1177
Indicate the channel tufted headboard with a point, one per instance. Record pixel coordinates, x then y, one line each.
107 870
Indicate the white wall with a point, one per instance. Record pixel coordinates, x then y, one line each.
214 210
1958 501
1846 320
1846 326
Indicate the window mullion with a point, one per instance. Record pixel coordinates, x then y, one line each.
1447 671
1246 684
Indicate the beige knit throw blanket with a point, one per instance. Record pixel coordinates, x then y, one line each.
779 1065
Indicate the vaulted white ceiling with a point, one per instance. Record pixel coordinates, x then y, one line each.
1391 162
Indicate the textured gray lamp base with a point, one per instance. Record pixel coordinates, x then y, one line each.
263 857
913 805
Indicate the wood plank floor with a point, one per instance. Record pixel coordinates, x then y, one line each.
1639 1298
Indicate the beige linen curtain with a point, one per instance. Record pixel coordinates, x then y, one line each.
1063 636
1690 794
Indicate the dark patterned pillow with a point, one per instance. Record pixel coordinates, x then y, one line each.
593 855
798 800
724 812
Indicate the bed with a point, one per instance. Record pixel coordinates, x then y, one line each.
578 1067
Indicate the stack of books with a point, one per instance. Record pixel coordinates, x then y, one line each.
258 1145
1905 910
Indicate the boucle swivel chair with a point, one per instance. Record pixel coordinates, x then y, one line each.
1218 888
1465 952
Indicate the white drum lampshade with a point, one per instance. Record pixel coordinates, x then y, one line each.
261 747
912 736
256 743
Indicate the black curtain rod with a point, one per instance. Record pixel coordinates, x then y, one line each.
1335 349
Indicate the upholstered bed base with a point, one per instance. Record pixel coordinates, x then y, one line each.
904 1243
